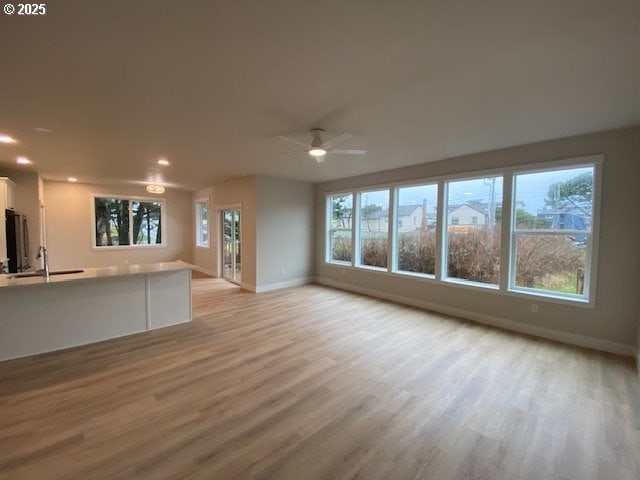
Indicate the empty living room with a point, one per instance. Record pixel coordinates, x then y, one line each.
329 240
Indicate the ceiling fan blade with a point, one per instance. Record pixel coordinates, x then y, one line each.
338 139
287 139
348 152
290 151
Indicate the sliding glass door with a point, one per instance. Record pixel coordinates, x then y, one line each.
231 245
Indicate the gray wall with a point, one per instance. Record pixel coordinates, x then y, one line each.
615 317
285 230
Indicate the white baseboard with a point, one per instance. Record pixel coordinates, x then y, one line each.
206 271
564 337
289 283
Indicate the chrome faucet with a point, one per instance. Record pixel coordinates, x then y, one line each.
42 252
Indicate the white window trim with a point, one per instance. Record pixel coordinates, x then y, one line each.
130 198
503 288
197 203
590 261
445 231
395 194
327 226
357 260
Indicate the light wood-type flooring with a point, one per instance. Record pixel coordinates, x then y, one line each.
316 383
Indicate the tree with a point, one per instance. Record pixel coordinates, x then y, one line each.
525 219
340 211
576 191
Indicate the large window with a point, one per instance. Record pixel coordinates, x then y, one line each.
552 226
202 223
523 231
373 234
416 221
474 213
340 228
127 222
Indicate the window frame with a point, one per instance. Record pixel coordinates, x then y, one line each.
198 225
130 199
444 237
395 194
590 262
506 249
328 213
357 199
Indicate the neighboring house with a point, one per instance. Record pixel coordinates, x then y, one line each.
466 215
376 221
565 219
409 219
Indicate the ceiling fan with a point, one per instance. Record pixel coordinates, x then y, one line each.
320 147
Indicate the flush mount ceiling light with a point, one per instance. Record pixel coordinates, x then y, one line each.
42 129
72 179
7 139
317 152
163 161
23 160
155 188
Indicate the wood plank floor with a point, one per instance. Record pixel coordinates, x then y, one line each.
316 383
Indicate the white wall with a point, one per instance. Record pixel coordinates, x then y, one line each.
241 191
286 217
27 203
70 232
615 317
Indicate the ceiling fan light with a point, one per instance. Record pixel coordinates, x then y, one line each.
317 152
155 188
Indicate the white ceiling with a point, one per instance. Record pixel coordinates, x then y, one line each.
210 84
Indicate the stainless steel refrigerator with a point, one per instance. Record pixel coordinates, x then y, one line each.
17 241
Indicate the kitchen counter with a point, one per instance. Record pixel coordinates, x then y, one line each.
93 272
40 314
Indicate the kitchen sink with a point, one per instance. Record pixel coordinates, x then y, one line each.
39 274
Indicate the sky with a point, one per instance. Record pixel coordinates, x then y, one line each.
531 189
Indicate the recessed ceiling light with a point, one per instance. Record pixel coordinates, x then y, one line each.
42 129
7 139
72 179
155 188
317 152
23 160
163 161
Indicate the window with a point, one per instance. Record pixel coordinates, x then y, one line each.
202 223
340 209
450 230
373 234
127 222
552 228
147 226
416 245
473 249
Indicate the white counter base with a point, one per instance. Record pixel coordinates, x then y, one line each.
46 317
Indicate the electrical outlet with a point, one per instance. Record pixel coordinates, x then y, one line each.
282 271
534 307
343 271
